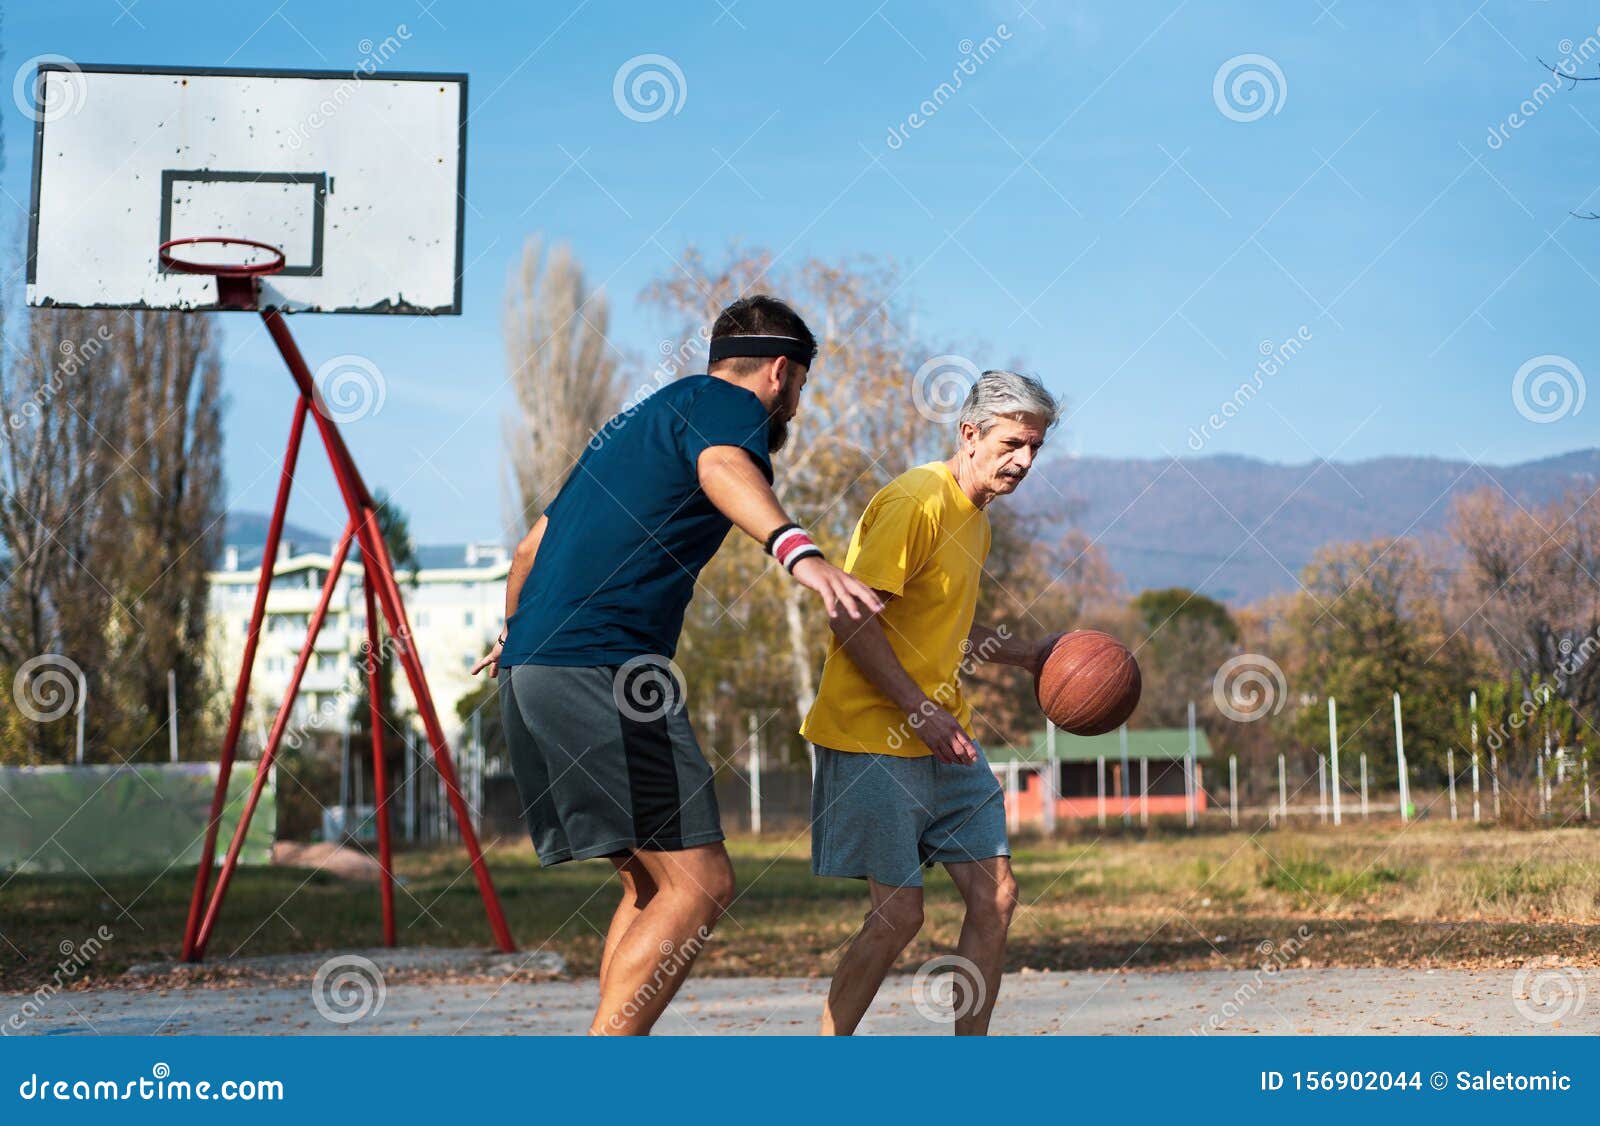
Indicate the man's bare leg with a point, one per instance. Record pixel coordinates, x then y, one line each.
637 891
653 956
990 893
890 925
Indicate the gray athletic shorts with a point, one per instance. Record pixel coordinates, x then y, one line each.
884 817
598 773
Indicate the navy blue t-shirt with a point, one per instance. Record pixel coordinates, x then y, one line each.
631 529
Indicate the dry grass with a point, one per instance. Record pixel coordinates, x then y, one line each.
1378 894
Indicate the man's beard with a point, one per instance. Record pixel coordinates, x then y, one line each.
777 430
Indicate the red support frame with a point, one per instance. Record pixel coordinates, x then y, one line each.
382 591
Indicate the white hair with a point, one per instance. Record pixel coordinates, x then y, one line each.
1007 394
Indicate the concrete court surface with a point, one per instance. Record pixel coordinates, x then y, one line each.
1289 1002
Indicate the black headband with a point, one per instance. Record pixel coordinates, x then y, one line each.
763 347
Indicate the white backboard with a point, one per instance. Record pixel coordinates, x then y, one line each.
359 178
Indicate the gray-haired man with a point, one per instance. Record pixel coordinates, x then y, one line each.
900 781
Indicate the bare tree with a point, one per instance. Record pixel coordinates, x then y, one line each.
164 522
110 514
1528 588
57 461
563 373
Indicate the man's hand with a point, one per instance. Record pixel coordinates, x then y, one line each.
490 660
943 735
1042 651
841 592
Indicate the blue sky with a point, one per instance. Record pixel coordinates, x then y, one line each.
1083 206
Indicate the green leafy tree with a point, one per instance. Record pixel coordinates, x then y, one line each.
1369 622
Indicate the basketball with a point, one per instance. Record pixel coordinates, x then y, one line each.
1089 684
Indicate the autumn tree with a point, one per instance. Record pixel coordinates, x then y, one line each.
1184 639
1527 589
1369 621
563 374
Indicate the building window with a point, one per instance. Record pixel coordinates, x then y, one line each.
467 618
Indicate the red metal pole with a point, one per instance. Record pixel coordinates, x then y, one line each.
380 785
273 738
376 561
395 611
241 691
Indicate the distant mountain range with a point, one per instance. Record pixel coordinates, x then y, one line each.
249 529
1238 528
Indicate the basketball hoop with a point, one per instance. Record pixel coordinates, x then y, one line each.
237 284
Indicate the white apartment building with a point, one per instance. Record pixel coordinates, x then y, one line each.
456 607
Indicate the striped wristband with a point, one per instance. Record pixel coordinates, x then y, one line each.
790 544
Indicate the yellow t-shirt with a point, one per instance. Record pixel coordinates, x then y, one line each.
922 540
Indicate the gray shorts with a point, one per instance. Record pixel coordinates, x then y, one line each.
597 778
884 817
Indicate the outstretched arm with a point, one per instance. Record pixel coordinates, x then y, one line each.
1001 647
735 485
